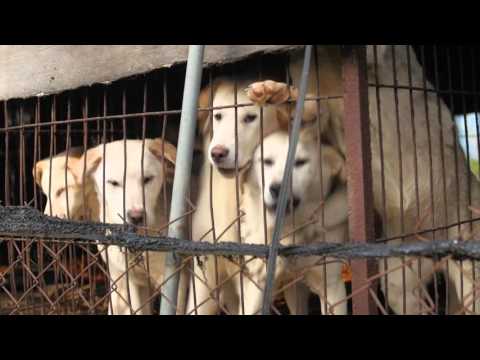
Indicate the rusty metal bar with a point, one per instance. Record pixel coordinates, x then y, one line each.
283 198
358 154
22 223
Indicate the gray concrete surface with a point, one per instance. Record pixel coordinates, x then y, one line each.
33 70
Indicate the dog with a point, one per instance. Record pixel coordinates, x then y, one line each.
429 189
313 161
127 197
67 198
218 201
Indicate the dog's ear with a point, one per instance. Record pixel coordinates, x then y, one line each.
204 101
72 163
335 161
164 150
284 117
74 156
38 171
89 162
75 152
314 112
311 113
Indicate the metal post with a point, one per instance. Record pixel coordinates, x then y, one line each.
360 191
186 139
283 198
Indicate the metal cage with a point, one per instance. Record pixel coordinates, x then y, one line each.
401 119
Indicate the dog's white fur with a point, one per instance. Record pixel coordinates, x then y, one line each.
308 173
158 160
248 128
221 203
437 203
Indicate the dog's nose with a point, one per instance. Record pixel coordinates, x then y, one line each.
136 216
219 153
275 190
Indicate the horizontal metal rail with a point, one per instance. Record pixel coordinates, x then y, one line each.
140 115
24 223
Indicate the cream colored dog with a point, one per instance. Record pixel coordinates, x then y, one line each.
423 175
122 188
217 202
306 194
62 182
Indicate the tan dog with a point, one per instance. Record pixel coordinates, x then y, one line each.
221 203
62 182
306 195
130 289
432 164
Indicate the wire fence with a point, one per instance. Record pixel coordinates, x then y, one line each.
379 213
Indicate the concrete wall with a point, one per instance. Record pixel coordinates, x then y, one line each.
31 70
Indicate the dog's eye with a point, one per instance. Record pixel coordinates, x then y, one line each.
300 162
250 118
268 162
59 192
114 183
147 179
218 116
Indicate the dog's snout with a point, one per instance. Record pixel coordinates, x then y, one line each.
136 216
219 153
275 190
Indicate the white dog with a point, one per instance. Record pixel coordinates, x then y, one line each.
124 189
315 164
217 205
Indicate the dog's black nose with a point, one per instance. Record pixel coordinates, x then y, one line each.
275 190
219 153
136 216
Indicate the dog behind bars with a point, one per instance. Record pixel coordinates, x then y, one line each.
68 196
420 175
128 197
217 214
317 169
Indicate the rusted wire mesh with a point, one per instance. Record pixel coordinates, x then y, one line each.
408 246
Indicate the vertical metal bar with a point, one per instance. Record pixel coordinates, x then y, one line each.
109 281
186 139
7 161
124 213
237 191
400 167
144 134
324 304
360 191
415 158
283 198
382 165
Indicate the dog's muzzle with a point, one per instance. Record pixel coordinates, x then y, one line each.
292 204
231 173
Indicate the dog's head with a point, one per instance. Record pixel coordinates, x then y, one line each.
227 124
247 124
312 161
57 180
123 186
